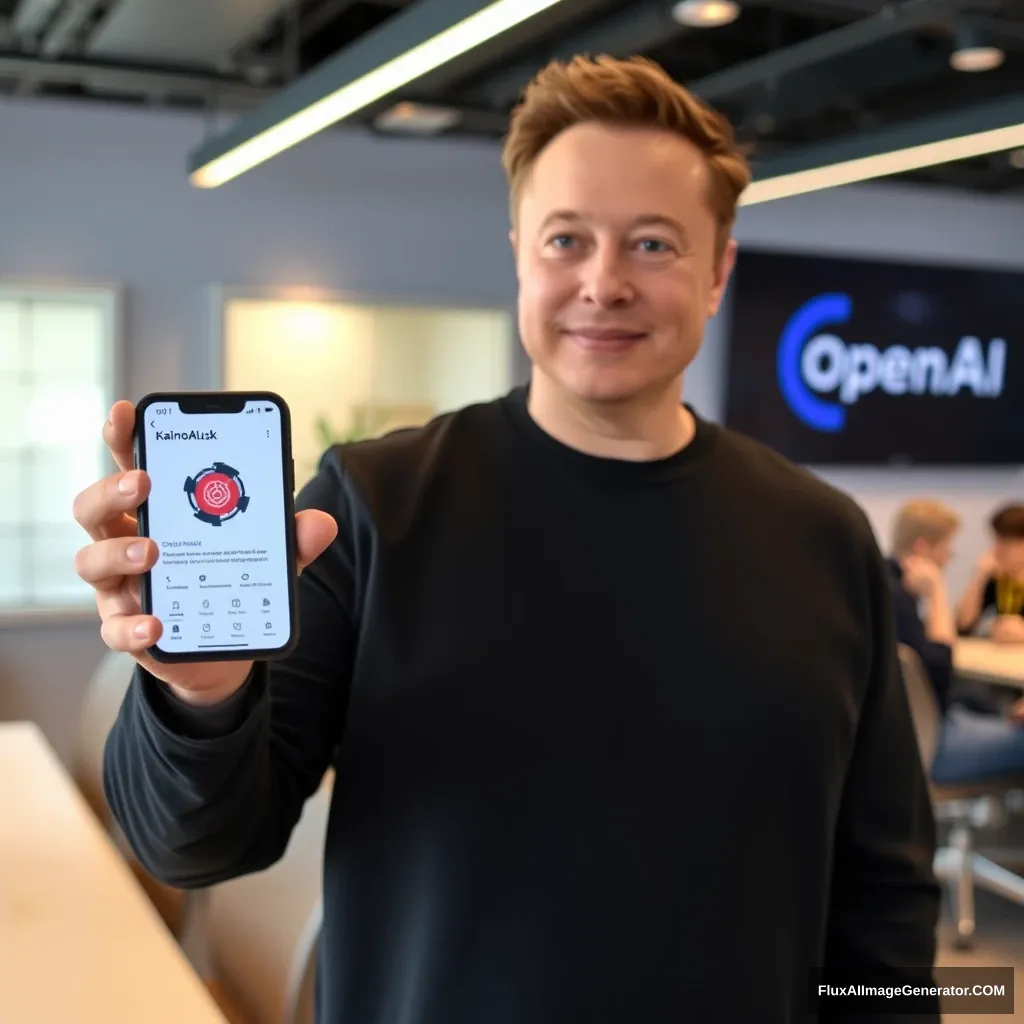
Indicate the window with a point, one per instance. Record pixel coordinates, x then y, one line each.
57 380
349 370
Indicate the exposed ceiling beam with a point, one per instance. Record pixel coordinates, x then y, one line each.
849 83
893 20
310 21
248 49
65 28
125 79
638 28
1002 29
32 16
854 8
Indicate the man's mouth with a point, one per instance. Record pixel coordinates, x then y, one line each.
604 338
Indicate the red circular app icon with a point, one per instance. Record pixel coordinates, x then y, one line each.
217 494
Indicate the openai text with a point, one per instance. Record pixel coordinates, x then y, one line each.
829 364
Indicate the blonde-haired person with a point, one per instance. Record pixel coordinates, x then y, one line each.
922 545
979 739
608 689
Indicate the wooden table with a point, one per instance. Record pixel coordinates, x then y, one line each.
79 941
988 662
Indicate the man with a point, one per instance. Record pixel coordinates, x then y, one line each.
993 602
610 693
922 545
979 739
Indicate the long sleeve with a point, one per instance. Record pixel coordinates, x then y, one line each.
937 658
884 898
203 796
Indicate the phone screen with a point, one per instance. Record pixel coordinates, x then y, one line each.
216 512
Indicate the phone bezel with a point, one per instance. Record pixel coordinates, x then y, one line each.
231 402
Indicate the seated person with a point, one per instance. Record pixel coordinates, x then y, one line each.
977 741
993 603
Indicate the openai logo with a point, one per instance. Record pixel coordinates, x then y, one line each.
216 494
812 362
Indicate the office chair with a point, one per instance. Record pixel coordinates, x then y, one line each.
965 808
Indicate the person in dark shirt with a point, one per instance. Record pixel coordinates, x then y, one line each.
993 603
980 738
581 775
922 545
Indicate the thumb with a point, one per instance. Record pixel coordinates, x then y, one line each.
314 530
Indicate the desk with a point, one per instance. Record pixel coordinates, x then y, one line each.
79 941
988 662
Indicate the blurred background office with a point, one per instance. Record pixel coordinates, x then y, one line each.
874 330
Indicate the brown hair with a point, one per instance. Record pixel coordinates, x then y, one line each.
633 93
1008 522
922 519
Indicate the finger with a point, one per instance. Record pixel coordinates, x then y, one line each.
131 633
105 563
122 600
104 509
314 530
117 434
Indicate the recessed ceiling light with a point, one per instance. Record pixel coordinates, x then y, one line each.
706 13
974 53
977 58
1017 159
416 119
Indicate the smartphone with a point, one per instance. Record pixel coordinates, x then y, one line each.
221 512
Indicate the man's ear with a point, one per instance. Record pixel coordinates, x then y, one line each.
723 271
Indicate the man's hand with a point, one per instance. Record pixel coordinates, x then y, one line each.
921 576
1008 629
987 565
117 557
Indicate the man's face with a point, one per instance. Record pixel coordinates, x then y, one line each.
1009 552
616 260
940 552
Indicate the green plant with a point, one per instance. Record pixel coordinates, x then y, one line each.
327 436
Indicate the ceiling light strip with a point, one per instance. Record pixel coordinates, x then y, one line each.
884 163
344 101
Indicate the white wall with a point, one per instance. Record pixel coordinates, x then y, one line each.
98 193
891 223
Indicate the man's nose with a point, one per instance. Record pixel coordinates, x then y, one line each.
606 280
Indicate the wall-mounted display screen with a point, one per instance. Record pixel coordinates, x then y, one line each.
856 362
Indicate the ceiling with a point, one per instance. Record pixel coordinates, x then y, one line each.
790 73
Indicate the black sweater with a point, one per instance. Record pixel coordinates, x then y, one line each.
936 658
613 741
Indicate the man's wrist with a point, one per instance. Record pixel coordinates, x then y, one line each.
207 699
205 721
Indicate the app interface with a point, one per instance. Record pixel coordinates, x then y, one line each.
216 513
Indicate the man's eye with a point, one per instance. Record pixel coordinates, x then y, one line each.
562 241
655 245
